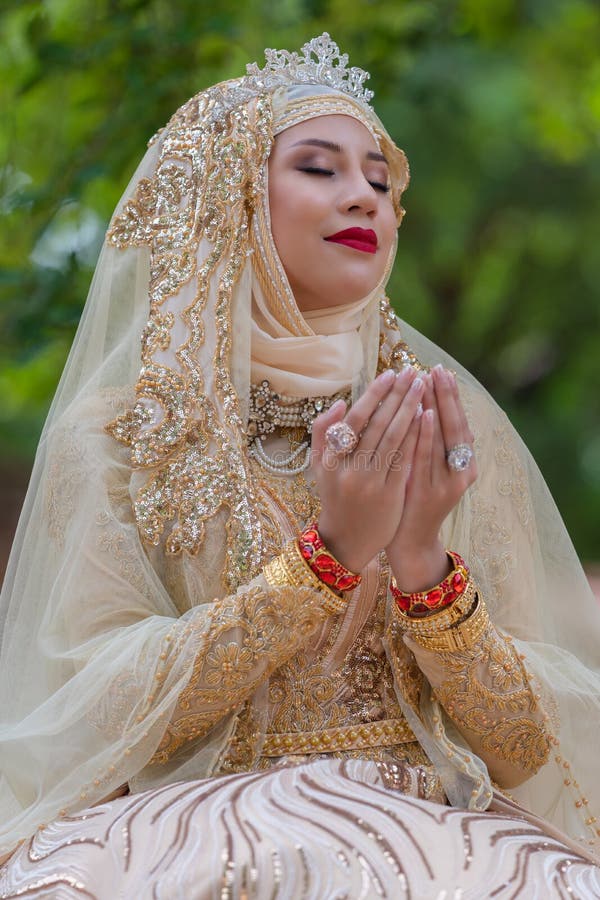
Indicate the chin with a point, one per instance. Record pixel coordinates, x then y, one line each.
335 292
354 289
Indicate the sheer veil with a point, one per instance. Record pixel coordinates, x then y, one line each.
141 509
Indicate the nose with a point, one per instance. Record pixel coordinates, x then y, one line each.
358 195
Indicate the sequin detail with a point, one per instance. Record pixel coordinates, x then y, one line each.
194 214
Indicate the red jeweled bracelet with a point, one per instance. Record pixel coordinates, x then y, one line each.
424 603
324 565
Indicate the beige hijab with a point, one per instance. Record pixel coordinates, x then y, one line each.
323 351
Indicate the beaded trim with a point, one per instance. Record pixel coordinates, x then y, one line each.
385 733
270 410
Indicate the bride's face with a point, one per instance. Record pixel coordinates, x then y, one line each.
332 217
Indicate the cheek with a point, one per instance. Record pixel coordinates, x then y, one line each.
296 215
389 229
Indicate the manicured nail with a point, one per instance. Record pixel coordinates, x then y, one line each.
387 377
419 411
417 385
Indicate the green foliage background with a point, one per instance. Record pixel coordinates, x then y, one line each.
497 104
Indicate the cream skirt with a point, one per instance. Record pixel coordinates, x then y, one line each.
318 830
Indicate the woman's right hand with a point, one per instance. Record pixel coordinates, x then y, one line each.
362 493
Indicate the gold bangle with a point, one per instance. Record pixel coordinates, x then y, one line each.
460 637
290 568
446 618
275 573
300 569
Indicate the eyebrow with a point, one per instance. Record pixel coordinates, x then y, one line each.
336 148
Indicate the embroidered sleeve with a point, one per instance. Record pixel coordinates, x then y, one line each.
248 635
487 692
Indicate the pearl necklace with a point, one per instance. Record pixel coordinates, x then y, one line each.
280 465
270 410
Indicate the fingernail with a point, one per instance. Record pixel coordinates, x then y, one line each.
419 411
387 377
417 384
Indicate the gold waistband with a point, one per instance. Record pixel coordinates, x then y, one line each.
349 737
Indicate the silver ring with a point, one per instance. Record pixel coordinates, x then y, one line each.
341 438
459 457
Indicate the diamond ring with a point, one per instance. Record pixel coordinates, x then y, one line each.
459 457
341 438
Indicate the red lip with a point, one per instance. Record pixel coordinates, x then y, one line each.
363 239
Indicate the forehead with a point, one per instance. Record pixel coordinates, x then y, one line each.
346 131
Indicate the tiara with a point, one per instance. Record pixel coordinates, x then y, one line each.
320 63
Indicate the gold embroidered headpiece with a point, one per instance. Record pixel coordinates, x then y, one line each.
194 213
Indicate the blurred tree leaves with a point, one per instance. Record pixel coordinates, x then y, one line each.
497 104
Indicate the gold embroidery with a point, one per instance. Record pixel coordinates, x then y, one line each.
268 628
121 549
67 471
502 713
204 187
306 697
227 664
491 544
69 459
242 750
399 754
514 485
294 496
417 781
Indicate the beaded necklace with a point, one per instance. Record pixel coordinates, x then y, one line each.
280 464
270 412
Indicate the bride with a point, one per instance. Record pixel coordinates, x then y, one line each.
290 611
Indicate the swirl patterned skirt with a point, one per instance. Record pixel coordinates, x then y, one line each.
321 830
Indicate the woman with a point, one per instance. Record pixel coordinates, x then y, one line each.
204 692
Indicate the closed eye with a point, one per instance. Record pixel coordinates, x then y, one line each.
379 186
317 170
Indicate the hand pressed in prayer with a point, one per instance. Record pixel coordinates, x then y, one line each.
362 492
415 553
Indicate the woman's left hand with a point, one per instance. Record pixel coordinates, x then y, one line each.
416 555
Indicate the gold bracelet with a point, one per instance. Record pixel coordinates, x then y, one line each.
437 598
290 568
460 637
447 618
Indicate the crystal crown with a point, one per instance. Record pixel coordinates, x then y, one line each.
320 63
